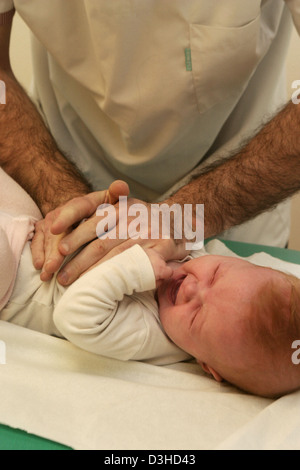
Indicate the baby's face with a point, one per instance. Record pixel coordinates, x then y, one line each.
203 306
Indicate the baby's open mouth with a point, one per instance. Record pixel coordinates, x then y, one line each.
175 289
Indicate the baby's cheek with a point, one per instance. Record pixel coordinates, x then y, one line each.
166 318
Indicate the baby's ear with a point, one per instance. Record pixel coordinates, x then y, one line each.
209 370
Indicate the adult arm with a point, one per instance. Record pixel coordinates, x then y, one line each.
254 179
28 153
263 173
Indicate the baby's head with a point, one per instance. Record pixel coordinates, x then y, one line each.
237 319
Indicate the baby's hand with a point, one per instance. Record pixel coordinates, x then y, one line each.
161 270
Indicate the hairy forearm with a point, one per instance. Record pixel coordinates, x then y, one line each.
29 154
265 172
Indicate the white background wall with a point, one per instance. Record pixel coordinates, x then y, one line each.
21 62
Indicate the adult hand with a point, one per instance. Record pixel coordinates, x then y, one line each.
98 250
57 224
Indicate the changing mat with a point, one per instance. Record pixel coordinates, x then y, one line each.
52 389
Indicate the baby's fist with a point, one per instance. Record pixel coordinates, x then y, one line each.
161 270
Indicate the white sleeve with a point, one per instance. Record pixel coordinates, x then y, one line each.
96 312
294 6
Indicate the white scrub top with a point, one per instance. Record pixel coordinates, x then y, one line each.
147 90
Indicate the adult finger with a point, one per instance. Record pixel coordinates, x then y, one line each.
75 211
53 257
116 189
37 246
84 233
90 228
44 248
87 257
80 208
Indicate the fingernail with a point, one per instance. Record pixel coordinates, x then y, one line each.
38 263
64 247
63 277
45 277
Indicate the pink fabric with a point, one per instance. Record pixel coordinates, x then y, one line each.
14 233
18 214
14 200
